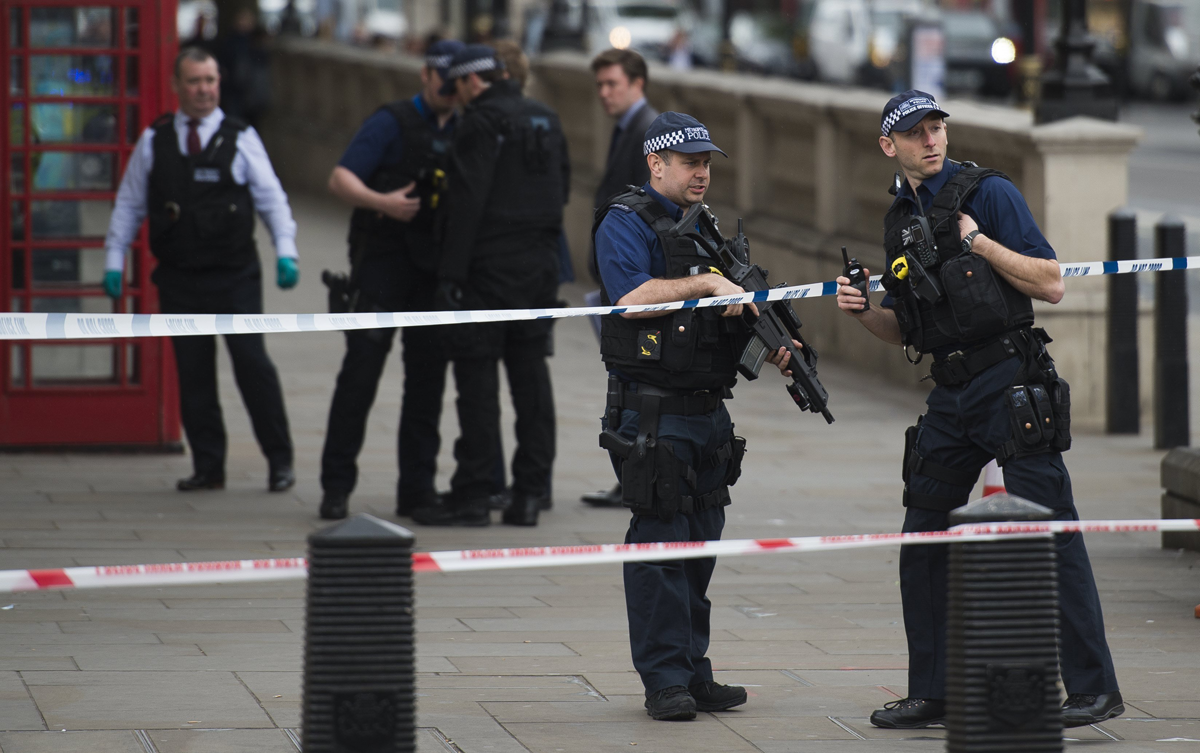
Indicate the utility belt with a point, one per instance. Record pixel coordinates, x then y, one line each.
1038 404
962 366
654 481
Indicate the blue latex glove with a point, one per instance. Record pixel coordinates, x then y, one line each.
287 273
112 283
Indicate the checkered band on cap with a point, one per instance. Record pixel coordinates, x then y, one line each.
906 108
438 61
472 66
668 140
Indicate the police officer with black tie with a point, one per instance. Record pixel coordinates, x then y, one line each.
964 259
509 174
200 177
393 173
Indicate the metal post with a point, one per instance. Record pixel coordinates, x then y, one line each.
1123 398
1171 425
1002 636
1074 86
358 640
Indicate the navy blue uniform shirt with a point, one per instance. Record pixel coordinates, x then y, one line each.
628 252
377 142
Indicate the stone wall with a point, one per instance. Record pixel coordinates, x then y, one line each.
804 171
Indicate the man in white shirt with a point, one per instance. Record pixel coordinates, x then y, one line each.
199 177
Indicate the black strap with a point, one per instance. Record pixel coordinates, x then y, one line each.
673 405
962 366
720 455
719 497
934 502
919 465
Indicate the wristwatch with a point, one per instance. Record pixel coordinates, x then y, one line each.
968 241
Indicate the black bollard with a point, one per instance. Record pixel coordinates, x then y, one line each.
358 640
1002 636
1171 425
1123 404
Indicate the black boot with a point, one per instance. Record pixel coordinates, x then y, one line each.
673 704
450 512
713 696
1081 710
407 502
910 713
335 504
610 498
524 509
200 480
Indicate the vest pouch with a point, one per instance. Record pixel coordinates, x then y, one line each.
637 477
667 472
1024 410
682 340
974 296
1060 404
908 318
213 220
737 446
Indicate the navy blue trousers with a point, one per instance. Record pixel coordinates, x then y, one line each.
666 601
962 429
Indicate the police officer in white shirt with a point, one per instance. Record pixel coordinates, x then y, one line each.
200 176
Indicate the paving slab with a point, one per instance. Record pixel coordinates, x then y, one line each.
70 742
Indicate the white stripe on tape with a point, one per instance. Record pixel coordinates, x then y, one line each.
61 326
232 571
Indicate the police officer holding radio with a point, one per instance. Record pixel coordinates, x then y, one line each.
200 176
964 259
666 428
509 174
393 173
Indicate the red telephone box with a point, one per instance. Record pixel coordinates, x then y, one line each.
84 79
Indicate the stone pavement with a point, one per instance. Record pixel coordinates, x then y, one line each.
531 660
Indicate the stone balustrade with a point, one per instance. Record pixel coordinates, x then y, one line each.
804 170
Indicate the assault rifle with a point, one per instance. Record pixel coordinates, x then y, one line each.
776 324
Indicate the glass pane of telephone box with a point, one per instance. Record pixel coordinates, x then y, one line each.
71 123
16 173
132 28
75 171
16 360
65 365
133 76
64 26
16 125
16 76
71 219
73 75
68 267
16 29
16 221
18 269
133 363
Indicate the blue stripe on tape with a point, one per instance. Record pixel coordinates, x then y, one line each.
56 326
691 304
829 288
618 312
141 325
224 325
306 322
1110 267
761 295
1179 263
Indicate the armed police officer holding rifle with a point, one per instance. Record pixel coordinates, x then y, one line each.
964 259
668 433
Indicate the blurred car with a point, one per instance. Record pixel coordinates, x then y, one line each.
1162 54
647 26
979 58
888 55
834 39
762 43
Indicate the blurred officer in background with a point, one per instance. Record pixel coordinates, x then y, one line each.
621 77
392 173
965 258
509 174
200 177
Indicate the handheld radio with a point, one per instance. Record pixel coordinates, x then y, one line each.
858 279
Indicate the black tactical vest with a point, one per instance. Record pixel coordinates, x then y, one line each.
977 303
697 349
423 155
199 217
529 181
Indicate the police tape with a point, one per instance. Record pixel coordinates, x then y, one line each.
236 571
64 326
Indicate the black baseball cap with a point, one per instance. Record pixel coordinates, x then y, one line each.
904 111
679 133
439 55
471 58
